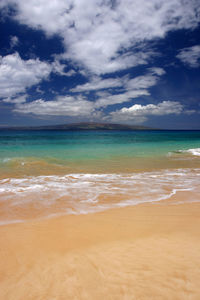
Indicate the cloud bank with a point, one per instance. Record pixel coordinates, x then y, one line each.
60 106
138 113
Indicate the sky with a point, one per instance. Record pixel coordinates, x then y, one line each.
114 61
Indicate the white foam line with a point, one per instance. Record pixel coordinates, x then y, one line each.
7 222
83 191
194 151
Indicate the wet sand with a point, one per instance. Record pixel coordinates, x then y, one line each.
140 252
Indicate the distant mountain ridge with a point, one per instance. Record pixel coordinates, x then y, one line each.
81 126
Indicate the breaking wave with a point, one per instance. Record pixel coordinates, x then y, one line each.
195 151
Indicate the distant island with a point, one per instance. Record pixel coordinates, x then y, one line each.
81 126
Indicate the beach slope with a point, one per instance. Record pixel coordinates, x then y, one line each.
140 252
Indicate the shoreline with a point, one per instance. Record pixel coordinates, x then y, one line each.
140 252
42 197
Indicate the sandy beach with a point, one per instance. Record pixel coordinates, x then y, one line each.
100 150
149 251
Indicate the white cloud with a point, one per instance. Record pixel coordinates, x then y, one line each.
16 100
157 71
190 56
14 41
98 84
139 113
163 108
120 98
17 74
58 68
101 36
61 106
142 82
98 34
133 88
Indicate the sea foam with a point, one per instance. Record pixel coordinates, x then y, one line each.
195 151
87 193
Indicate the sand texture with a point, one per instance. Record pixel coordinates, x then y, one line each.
142 252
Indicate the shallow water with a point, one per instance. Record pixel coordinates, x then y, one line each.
85 145
46 173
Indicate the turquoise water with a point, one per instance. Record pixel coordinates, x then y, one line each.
87 145
60 152
48 173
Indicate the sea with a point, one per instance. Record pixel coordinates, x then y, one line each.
44 174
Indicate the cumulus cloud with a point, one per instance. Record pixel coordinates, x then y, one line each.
190 56
17 74
139 113
61 106
98 34
163 108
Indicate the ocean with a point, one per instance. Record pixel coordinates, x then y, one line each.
49 173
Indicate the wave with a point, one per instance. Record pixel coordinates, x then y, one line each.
42 196
195 151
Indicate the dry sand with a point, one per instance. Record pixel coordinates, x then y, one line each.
142 252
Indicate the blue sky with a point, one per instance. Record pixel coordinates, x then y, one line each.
123 61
